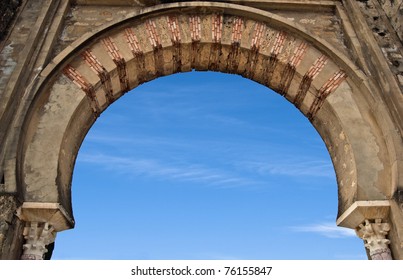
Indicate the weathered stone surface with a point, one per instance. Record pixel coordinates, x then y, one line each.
394 10
10 228
8 10
337 62
387 32
7 209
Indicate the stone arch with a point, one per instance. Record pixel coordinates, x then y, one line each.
318 79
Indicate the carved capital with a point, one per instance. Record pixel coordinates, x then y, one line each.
374 234
37 236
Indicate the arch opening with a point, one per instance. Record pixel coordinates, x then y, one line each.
213 166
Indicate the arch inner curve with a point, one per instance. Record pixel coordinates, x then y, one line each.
99 68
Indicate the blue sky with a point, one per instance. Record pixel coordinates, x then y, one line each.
204 165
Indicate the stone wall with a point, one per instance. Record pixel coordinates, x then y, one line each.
8 9
377 14
394 11
10 242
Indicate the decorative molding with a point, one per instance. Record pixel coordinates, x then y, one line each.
273 58
75 76
260 28
195 28
331 85
309 76
173 24
290 68
153 36
119 61
216 27
133 42
102 73
237 29
298 54
317 67
278 43
137 52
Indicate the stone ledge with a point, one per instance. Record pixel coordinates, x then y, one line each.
360 211
52 213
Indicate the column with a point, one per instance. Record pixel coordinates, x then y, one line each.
374 236
42 221
37 237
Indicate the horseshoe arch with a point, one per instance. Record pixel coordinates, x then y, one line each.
322 82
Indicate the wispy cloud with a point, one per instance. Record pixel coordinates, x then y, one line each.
236 163
162 170
326 229
138 140
294 167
